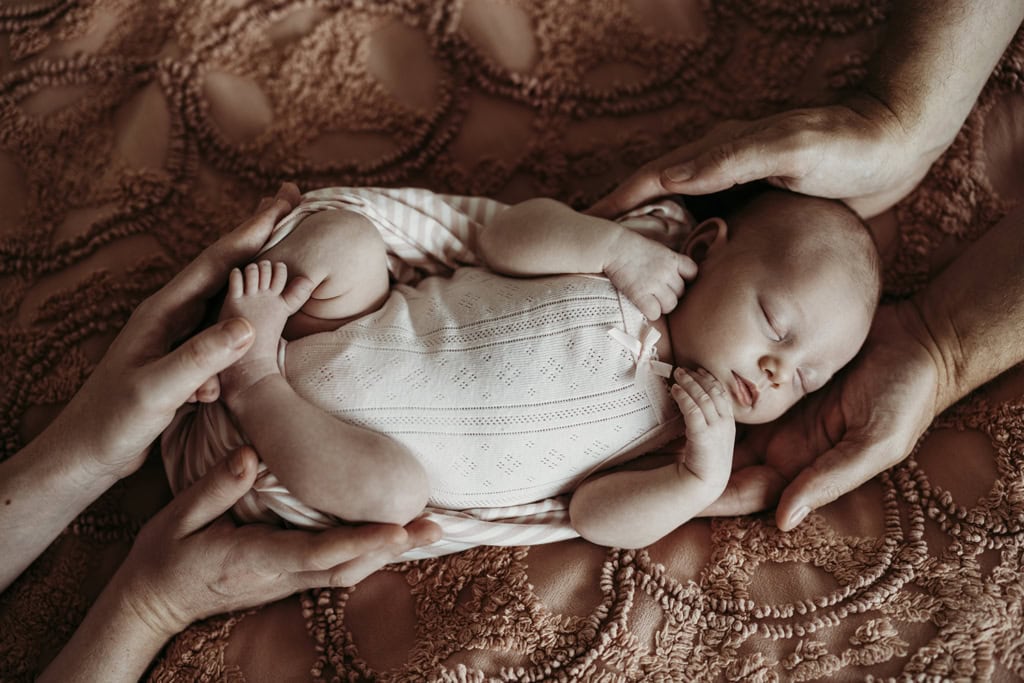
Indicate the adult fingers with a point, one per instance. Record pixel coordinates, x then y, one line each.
214 494
750 490
306 553
420 532
835 472
755 153
642 186
183 371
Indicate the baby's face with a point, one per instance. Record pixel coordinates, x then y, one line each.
769 332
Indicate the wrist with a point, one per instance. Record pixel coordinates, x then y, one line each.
143 607
88 451
70 465
896 125
615 247
710 485
922 345
111 644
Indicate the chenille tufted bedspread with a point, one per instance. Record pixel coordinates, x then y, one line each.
133 133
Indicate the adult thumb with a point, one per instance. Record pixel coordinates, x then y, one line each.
833 474
753 154
181 372
215 492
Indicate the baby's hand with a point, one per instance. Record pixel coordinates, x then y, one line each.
710 426
648 273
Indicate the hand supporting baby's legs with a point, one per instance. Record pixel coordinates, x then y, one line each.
339 468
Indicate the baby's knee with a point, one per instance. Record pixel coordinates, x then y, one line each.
332 244
344 237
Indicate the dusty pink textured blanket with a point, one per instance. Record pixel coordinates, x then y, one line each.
131 134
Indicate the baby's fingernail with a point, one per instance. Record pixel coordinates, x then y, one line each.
798 516
679 173
238 331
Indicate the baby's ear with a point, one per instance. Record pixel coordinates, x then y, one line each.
709 235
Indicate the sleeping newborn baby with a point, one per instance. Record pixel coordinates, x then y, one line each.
551 370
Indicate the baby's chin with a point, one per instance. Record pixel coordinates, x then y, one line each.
756 417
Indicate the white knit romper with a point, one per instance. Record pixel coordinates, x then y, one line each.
510 391
507 390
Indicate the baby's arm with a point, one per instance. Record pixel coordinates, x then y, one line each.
547 237
634 508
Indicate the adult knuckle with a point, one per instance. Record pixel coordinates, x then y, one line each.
830 491
135 392
722 155
196 352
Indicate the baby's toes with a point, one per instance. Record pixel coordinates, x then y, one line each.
251 276
236 283
266 274
278 277
297 293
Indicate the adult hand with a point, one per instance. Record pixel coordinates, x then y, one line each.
866 420
134 391
190 561
856 151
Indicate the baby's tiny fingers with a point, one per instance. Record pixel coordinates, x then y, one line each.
687 267
676 285
693 416
686 386
715 392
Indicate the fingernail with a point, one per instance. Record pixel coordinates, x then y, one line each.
679 173
237 463
798 516
238 331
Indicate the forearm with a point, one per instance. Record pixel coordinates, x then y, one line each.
112 644
545 237
934 60
43 488
971 316
634 508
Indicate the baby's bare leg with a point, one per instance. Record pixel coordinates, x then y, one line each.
345 257
351 472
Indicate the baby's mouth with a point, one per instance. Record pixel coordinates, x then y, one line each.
745 391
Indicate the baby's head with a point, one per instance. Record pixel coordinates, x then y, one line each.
785 294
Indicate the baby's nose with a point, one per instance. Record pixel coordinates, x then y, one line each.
777 373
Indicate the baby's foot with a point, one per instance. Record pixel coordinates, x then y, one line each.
262 295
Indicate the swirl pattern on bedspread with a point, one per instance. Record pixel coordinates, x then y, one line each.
133 133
